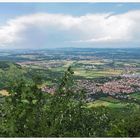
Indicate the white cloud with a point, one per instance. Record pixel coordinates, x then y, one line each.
57 29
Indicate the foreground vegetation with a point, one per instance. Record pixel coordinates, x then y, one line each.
28 112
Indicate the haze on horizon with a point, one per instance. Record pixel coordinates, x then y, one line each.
96 25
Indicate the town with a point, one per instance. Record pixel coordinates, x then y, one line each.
125 85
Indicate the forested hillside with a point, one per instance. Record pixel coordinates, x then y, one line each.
27 111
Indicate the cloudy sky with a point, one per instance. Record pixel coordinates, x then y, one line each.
52 25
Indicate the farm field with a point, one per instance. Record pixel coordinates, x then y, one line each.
96 73
98 66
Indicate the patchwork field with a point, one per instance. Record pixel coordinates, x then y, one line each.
96 73
98 65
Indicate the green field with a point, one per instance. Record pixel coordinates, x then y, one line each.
109 102
96 73
135 95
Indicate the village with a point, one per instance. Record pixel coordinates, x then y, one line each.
118 88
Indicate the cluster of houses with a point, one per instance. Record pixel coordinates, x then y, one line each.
125 85
89 85
116 87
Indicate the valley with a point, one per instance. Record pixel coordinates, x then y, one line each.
112 74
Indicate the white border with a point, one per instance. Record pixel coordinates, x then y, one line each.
67 1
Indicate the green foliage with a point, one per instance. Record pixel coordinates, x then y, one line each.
28 112
10 76
22 109
126 125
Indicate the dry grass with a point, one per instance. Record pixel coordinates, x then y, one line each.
4 92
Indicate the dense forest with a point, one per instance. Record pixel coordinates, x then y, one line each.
29 112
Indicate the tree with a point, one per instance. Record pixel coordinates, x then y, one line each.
127 124
23 107
65 108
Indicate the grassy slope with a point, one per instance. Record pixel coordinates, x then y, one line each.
109 102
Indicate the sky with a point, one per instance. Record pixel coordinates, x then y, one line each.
55 25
